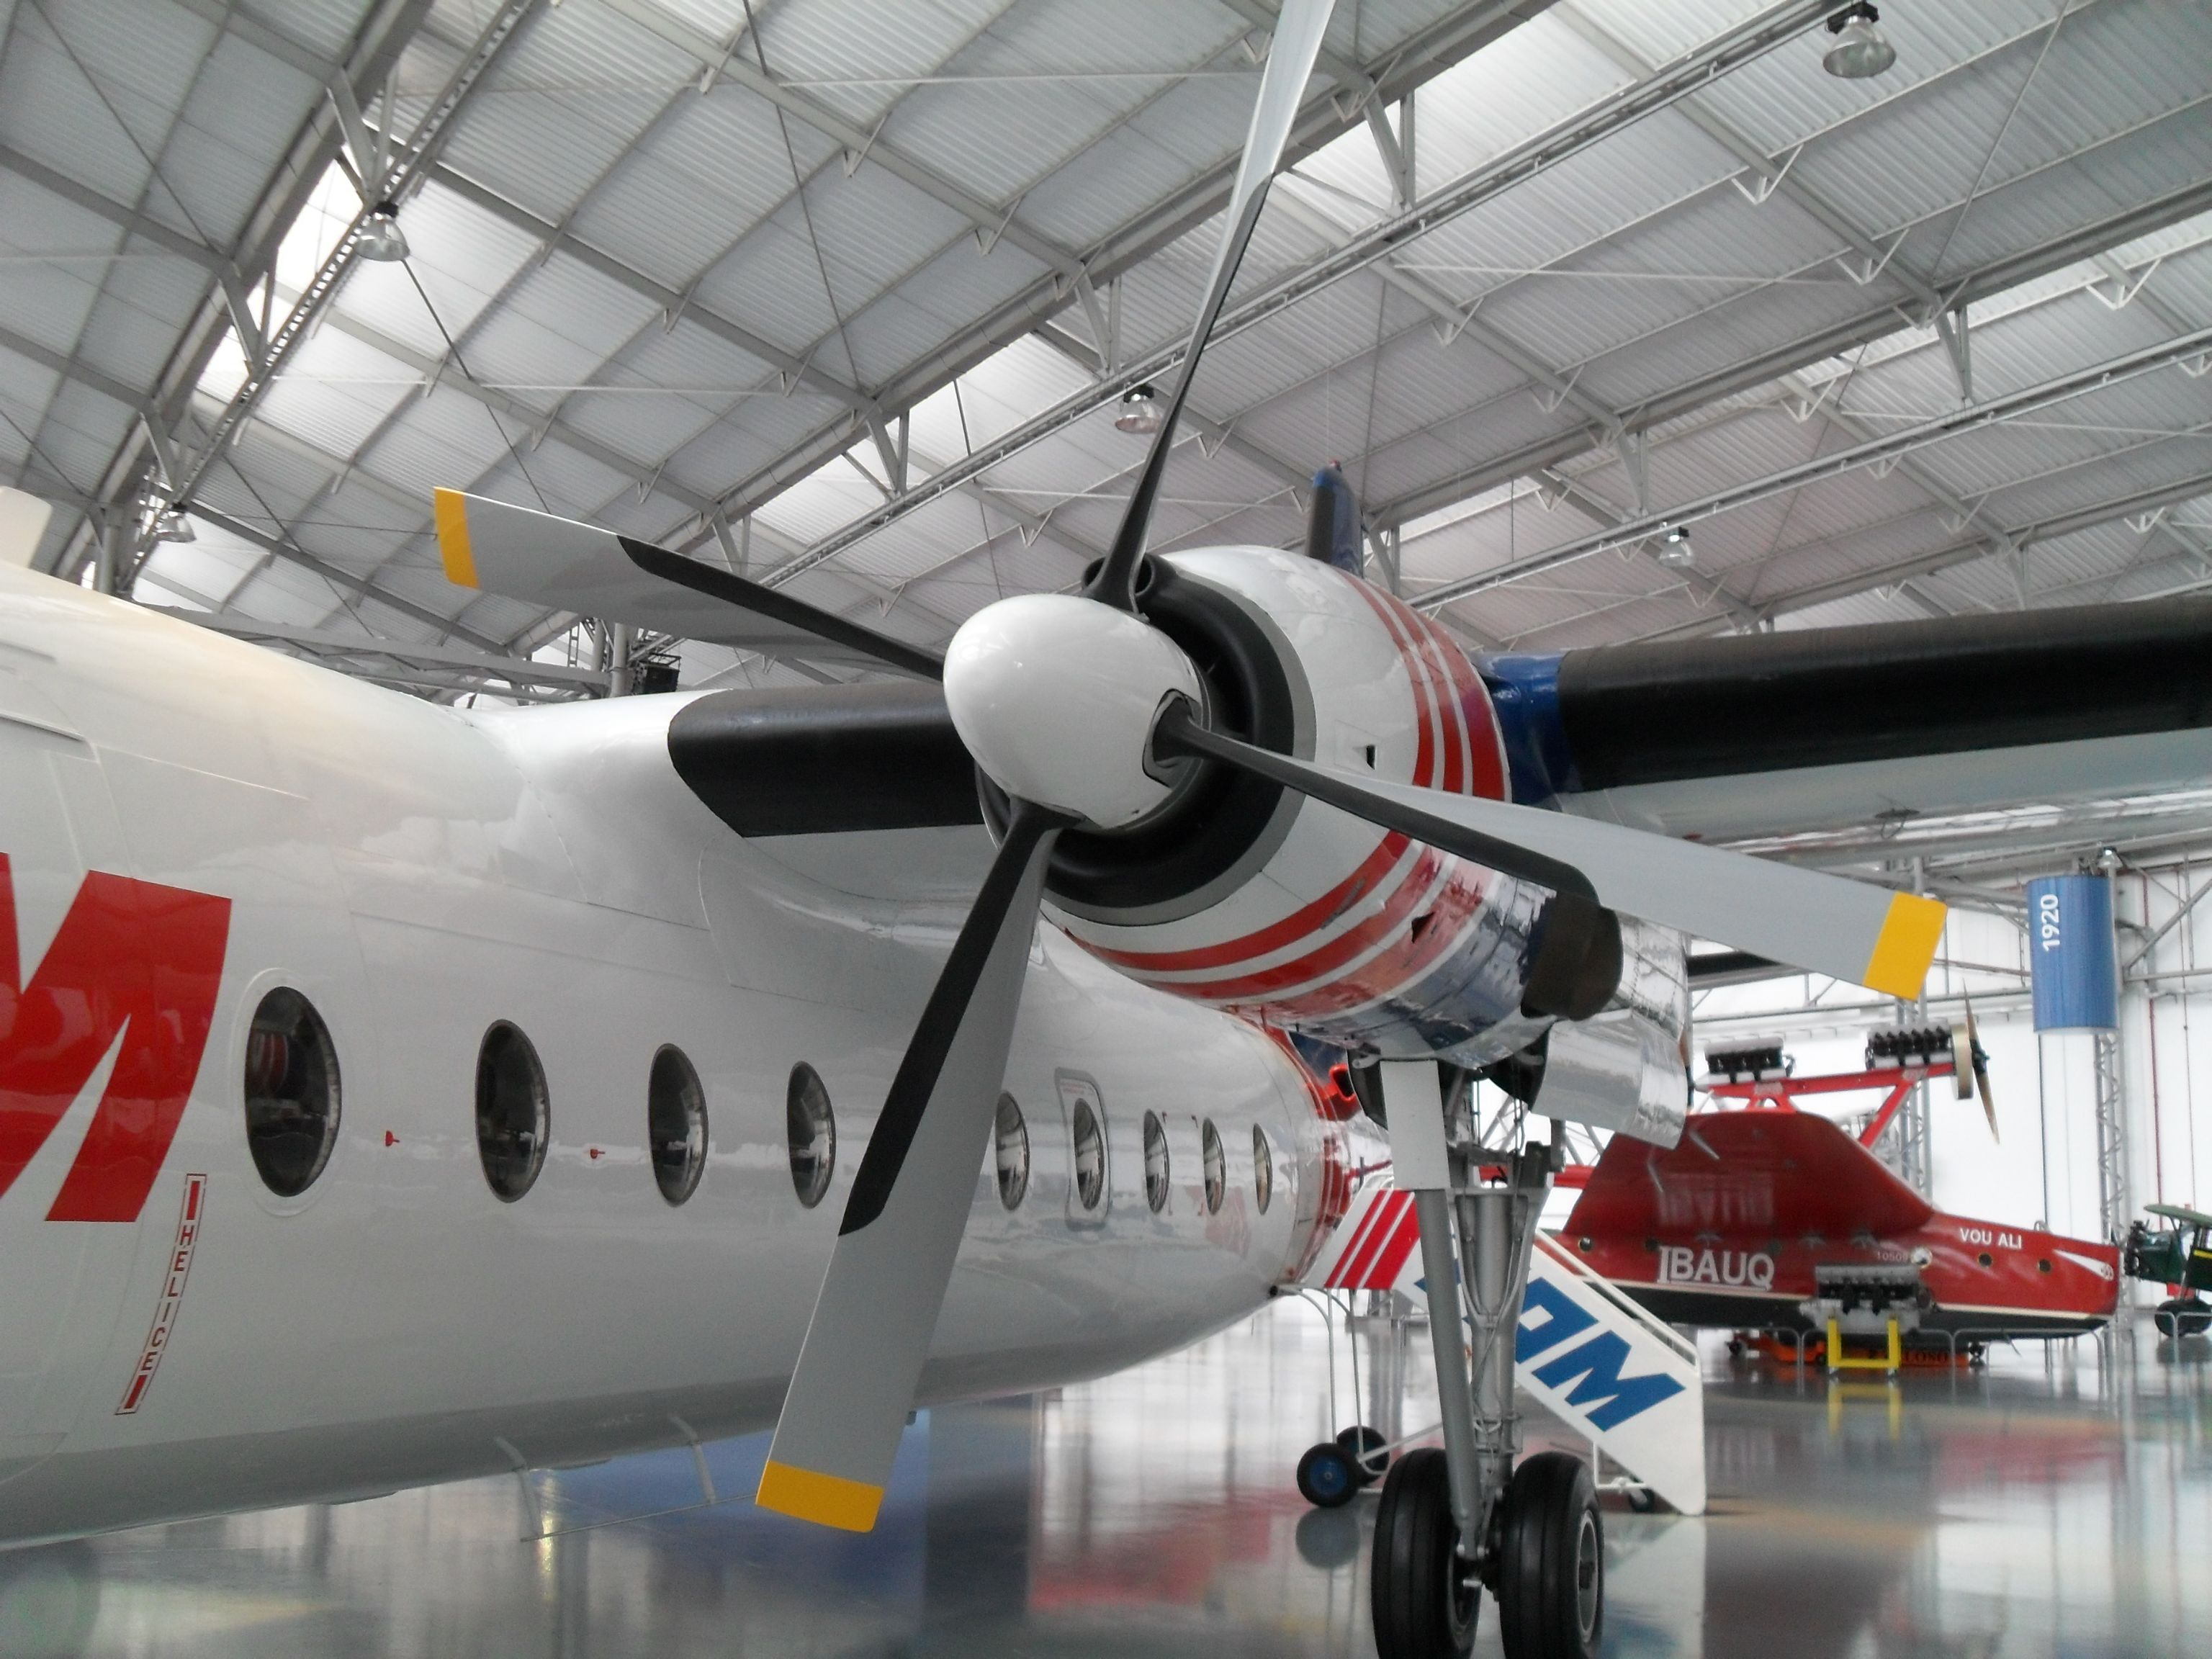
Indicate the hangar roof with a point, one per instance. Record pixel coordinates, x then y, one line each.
848 296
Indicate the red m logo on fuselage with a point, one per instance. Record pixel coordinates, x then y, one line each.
132 958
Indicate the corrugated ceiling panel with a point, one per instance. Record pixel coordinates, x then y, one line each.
463 257
1778 100
336 392
771 283
705 173
845 42
559 322
570 95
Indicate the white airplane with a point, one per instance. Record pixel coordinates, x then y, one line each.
392 1094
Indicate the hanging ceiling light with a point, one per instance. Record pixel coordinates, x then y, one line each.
381 239
1140 410
173 527
1674 550
1861 48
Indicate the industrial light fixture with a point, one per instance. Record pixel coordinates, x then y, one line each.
1674 550
172 526
381 239
1140 410
1860 49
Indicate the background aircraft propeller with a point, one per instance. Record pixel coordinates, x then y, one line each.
1977 1058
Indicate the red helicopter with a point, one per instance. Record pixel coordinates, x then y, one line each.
1767 1217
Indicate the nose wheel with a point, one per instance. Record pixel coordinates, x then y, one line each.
1547 1563
1551 1561
1423 1592
1469 1517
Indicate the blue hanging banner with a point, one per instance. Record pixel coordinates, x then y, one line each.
2069 954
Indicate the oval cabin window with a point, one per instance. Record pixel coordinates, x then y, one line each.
1156 1163
1090 1155
1216 1167
810 1125
513 1114
676 1124
1011 1141
291 1093
1263 1169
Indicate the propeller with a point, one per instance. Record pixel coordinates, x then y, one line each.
1978 1059
1298 30
871 1331
1086 714
566 566
1849 930
872 1326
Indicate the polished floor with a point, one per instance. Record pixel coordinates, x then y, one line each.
2059 1507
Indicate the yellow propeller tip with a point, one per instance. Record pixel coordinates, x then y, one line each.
450 510
827 1500
1906 948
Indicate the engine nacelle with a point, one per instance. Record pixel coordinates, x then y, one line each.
1250 898
1627 1068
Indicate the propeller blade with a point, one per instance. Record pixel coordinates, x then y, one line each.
878 1308
1848 930
1298 30
566 566
1979 1057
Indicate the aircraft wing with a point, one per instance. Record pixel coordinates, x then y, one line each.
1753 1173
1716 739
1762 735
2180 1213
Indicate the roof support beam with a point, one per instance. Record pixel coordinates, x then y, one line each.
1222 437
385 32
1427 54
415 157
998 222
1872 323
517 670
115 213
1770 175
1591 127
360 586
1965 551
1887 448
798 371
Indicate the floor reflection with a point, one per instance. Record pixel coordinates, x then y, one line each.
2044 1506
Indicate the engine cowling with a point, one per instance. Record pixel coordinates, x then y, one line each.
1250 898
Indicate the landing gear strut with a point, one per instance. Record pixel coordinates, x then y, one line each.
1456 1522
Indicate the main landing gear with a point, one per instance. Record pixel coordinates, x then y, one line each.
1455 1521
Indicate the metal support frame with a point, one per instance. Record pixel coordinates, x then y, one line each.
1696 69
1886 448
1497 1239
2113 1209
415 156
1477 1242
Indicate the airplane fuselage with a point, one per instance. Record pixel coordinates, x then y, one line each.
420 874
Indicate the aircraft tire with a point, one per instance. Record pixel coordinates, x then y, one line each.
1551 1561
1326 1477
1361 1444
2184 1315
1423 1597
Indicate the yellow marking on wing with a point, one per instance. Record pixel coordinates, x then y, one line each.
828 1499
451 509
1901 956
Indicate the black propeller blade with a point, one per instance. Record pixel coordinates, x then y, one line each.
878 1308
1298 30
